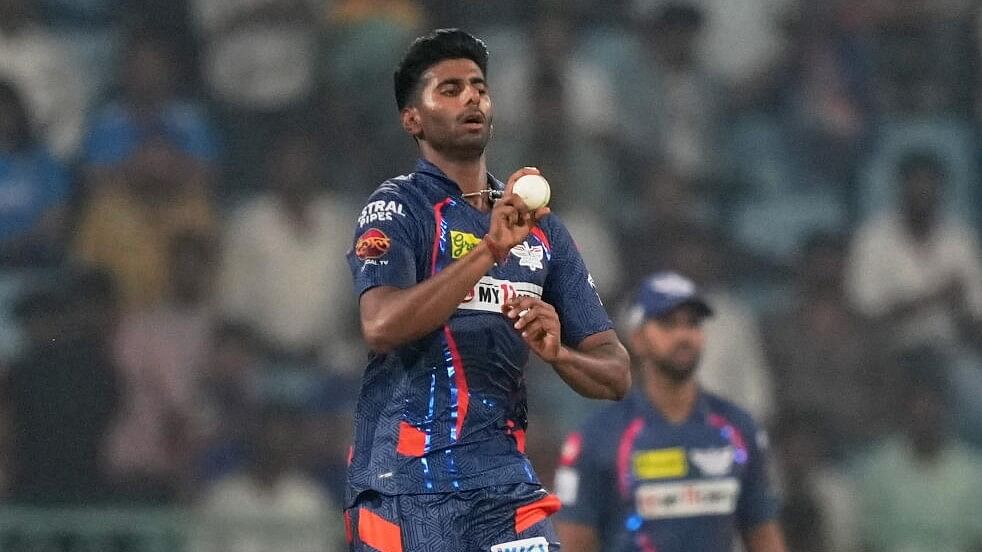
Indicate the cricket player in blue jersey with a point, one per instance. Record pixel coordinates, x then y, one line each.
672 468
457 281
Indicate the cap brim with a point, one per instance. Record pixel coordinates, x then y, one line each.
701 307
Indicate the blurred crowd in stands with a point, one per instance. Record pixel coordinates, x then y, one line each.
179 182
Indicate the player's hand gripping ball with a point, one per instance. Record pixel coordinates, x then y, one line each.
534 191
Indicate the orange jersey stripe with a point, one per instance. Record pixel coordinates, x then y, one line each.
530 514
412 440
378 532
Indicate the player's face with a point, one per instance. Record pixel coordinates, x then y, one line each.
452 113
674 342
922 195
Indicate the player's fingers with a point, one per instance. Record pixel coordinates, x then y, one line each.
516 202
507 213
534 331
519 204
525 317
518 174
540 213
517 304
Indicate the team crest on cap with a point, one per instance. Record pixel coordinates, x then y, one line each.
672 284
372 244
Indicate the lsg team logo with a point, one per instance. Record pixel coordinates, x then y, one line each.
372 244
530 256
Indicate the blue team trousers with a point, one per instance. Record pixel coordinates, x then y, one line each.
507 518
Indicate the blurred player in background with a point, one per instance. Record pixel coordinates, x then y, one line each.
457 281
672 468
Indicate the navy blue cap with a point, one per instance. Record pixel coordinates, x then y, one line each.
661 293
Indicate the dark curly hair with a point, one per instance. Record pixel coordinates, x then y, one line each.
430 49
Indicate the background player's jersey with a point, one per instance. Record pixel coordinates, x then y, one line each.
646 484
448 412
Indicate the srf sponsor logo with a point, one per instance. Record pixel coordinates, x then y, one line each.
372 244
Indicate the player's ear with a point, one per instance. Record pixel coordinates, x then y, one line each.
410 121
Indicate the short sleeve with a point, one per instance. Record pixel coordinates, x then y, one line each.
584 482
569 288
386 242
757 503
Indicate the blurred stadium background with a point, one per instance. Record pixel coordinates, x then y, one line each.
179 181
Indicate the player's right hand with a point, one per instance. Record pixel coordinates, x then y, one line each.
511 219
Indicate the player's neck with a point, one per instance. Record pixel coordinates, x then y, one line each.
675 399
470 174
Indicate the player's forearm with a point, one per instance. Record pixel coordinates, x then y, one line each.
393 317
598 372
766 537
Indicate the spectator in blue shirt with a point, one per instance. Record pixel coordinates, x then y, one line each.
33 189
148 108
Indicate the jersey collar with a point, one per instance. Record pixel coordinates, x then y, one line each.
643 405
425 167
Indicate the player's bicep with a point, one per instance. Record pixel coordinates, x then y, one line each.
765 537
602 344
569 288
582 482
757 503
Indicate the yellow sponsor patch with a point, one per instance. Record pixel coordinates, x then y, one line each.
660 464
461 243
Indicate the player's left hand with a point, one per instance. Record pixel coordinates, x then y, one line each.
538 323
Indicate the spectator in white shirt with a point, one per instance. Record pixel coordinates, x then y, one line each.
54 89
283 270
269 505
917 269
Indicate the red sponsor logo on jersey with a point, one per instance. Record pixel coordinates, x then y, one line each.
571 450
372 244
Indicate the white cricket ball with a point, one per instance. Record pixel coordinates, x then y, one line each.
534 191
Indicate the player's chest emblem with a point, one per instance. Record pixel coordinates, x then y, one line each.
529 256
713 462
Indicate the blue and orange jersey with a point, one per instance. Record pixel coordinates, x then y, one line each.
646 484
448 412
